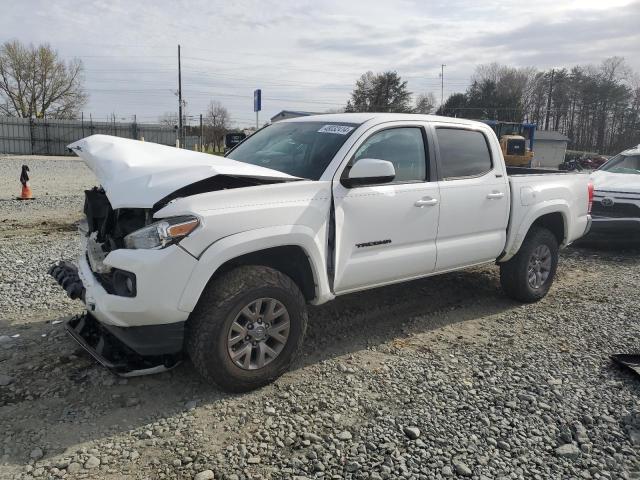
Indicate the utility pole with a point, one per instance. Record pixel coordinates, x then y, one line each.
179 100
546 122
134 127
442 84
201 136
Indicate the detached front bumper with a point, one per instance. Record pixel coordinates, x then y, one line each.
125 359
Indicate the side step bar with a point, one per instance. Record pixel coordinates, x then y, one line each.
112 353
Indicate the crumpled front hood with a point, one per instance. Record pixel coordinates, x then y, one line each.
615 182
136 174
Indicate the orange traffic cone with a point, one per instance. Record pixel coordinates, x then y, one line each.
26 192
24 180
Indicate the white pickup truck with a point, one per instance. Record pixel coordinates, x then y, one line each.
216 258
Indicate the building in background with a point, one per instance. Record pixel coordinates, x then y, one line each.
284 114
549 149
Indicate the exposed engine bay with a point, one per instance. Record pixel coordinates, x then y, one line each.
107 226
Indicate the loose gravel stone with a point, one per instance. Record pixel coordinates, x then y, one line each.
568 450
412 432
462 468
5 380
92 462
36 453
204 475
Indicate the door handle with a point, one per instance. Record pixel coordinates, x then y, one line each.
495 195
426 202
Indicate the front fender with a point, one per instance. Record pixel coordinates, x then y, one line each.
239 244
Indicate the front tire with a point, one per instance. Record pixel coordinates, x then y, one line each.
247 328
528 276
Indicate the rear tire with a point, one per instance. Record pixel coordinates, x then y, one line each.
528 276
233 317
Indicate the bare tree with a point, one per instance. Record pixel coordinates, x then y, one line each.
35 82
218 122
425 103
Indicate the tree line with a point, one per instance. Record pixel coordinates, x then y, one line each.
597 107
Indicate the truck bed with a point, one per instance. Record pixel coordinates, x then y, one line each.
536 192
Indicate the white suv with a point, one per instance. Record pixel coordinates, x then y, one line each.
616 207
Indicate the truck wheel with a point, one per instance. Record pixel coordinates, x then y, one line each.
528 276
247 328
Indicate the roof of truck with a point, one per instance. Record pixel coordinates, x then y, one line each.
360 118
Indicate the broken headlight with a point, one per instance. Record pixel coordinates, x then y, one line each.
161 234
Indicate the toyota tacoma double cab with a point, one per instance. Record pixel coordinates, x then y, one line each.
216 258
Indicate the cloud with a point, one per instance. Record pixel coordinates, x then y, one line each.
307 54
578 36
359 46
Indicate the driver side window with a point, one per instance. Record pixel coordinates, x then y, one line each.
404 147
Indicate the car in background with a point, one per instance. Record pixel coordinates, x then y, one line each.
616 201
594 162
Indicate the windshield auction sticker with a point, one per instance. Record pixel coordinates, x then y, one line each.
338 129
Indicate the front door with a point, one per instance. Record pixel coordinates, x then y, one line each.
387 233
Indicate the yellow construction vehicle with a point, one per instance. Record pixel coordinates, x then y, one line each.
514 138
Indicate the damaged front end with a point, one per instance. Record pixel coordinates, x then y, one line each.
104 230
126 351
132 272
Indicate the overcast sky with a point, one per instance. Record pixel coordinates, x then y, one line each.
307 54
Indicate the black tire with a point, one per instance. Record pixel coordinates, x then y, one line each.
514 275
220 303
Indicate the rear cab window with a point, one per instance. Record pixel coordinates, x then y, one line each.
464 153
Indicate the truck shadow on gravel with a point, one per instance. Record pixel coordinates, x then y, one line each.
60 398
374 317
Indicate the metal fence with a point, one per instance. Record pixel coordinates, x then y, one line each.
50 137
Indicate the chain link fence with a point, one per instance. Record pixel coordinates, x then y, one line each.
25 136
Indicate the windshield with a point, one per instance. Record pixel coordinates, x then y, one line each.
301 149
623 164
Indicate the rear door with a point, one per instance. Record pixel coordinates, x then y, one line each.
474 197
387 233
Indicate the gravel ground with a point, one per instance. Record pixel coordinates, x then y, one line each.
439 378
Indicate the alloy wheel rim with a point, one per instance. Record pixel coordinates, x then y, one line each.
258 334
539 267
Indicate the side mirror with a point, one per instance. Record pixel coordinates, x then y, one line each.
369 171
